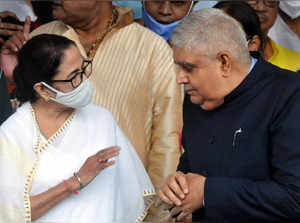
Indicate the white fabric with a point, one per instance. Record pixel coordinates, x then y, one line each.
204 4
281 34
19 7
291 8
120 193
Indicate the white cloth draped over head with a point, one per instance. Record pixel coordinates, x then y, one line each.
30 164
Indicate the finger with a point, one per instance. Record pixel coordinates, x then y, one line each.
181 179
5 14
164 198
158 202
27 27
188 218
184 214
175 185
18 39
9 47
103 156
5 32
112 148
105 165
175 211
11 26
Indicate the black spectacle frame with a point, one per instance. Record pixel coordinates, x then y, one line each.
267 3
86 64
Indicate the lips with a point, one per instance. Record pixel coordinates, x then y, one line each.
190 91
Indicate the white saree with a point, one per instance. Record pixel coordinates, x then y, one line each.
30 164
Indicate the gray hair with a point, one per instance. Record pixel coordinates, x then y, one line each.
211 31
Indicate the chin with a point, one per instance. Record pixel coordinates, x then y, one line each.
196 100
211 105
208 107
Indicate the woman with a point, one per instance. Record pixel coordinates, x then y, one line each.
53 147
249 20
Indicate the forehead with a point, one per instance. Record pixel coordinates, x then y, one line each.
72 58
184 55
271 4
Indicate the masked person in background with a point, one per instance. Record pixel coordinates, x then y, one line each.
55 145
281 56
163 16
286 30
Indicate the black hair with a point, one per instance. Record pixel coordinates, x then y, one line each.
245 15
38 60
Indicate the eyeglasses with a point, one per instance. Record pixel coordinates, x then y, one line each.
77 78
267 3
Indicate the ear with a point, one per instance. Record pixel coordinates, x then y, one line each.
225 62
42 91
254 44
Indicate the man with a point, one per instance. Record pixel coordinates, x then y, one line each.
286 30
241 127
276 54
164 15
5 105
133 76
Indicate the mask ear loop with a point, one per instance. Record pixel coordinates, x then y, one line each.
191 6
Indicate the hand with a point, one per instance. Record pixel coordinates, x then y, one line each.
8 29
194 199
8 56
96 163
175 189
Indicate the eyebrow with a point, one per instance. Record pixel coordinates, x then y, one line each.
185 64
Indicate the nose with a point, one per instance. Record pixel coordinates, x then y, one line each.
165 8
181 77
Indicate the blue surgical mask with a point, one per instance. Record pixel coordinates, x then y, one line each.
164 30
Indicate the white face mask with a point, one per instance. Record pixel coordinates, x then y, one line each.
291 8
78 98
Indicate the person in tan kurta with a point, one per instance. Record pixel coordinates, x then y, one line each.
133 76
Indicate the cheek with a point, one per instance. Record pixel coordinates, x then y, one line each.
152 8
58 13
179 13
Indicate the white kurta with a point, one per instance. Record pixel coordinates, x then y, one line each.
120 193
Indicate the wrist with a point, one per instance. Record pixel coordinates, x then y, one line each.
69 187
73 183
77 177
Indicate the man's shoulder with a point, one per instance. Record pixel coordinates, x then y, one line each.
144 34
55 27
283 81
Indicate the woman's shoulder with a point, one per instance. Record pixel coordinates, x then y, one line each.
18 119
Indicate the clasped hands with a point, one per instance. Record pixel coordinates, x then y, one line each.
183 192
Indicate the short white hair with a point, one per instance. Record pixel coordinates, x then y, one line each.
211 31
